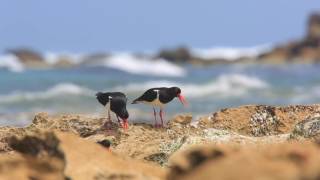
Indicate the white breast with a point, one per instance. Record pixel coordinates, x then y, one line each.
155 102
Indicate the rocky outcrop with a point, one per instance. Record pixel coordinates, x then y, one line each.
29 58
178 55
87 160
64 61
57 155
306 50
260 120
69 145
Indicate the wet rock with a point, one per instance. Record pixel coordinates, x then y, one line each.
178 55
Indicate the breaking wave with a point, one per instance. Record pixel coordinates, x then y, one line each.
142 65
228 85
229 53
61 90
11 63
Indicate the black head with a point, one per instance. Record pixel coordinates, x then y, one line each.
175 91
123 114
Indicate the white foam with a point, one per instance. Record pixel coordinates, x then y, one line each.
230 53
142 65
61 89
227 85
11 63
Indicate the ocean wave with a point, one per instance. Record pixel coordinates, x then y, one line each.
228 85
229 53
61 89
305 94
11 63
142 65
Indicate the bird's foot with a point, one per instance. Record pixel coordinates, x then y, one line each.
125 125
158 126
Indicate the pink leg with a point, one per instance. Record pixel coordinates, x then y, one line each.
119 122
161 116
155 117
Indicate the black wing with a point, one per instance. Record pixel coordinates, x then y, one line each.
165 96
103 98
148 96
119 104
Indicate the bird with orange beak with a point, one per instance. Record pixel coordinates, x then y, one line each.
115 102
159 97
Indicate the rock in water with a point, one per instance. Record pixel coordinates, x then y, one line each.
29 57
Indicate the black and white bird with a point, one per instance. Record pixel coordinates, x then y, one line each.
115 102
159 97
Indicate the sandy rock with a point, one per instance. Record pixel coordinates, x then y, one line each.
256 125
182 119
58 155
92 161
20 167
36 157
82 125
280 161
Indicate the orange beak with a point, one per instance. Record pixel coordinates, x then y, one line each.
183 100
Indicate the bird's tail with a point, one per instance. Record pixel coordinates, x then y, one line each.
136 101
98 94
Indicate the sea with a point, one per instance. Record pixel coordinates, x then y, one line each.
25 92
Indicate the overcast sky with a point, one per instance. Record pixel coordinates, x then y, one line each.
143 25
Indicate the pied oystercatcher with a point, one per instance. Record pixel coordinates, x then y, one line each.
159 97
115 102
